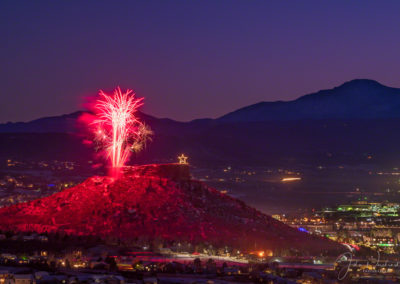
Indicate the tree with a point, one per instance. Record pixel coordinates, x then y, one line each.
111 262
211 266
67 264
197 265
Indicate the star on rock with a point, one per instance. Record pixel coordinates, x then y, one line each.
183 159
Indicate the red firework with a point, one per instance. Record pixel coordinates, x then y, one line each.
116 127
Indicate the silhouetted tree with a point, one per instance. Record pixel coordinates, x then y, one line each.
111 262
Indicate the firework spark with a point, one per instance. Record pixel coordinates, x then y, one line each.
116 128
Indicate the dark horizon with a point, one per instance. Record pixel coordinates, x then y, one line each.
189 59
83 109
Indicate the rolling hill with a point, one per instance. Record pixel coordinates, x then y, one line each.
158 202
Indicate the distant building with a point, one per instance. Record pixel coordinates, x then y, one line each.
24 279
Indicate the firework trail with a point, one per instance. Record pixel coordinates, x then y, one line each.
116 127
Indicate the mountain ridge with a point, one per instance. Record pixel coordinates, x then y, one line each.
355 99
236 140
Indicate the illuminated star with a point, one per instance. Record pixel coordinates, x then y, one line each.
183 159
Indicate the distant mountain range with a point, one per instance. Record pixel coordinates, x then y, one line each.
357 99
346 124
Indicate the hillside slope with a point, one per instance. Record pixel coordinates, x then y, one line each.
157 201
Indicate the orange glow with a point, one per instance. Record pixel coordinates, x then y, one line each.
288 179
183 159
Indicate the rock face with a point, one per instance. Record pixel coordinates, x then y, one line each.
156 202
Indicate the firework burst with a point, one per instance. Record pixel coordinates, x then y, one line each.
116 128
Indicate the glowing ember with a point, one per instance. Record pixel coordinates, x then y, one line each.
116 128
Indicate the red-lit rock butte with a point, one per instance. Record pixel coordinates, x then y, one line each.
156 201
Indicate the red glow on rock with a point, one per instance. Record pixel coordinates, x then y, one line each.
156 202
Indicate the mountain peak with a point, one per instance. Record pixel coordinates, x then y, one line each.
362 84
355 99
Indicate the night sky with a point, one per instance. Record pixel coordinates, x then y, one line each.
190 59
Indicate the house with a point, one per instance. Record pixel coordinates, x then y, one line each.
43 238
6 277
24 279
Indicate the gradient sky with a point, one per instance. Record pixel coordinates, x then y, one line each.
190 59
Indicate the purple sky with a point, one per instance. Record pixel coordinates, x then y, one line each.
190 59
